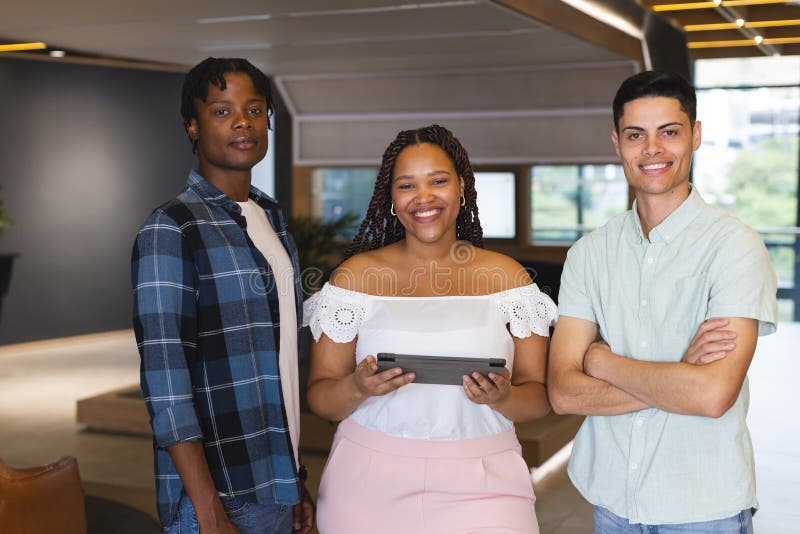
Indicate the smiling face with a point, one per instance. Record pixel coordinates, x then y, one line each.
655 143
426 192
230 128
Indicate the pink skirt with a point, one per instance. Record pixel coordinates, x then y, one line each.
375 483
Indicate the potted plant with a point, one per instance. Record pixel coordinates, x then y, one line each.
6 260
320 245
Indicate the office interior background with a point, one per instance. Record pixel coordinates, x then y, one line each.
91 140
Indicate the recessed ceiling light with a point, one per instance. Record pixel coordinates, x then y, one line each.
57 53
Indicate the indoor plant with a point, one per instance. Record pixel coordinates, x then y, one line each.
6 260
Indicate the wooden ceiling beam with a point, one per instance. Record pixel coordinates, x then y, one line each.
559 15
722 35
774 12
789 50
749 14
779 33
717 53
695 17
741 51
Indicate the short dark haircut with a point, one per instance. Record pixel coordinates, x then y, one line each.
380 227
652 83
212 71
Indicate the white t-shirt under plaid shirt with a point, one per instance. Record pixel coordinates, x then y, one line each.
267 242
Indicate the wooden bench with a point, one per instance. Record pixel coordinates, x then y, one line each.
123 411
540 439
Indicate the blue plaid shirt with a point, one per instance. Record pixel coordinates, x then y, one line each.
205 317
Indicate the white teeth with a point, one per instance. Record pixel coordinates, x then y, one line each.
426 213
655 166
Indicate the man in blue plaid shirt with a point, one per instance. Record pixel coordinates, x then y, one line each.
216 313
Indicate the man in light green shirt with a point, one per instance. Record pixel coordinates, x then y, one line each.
678 292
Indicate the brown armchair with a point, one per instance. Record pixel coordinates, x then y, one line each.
42 500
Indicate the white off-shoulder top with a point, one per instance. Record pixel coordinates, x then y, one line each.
466 326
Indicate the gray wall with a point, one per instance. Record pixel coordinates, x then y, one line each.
85 153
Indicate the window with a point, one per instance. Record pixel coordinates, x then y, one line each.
263 174
496 204
748 163
569 200
337 192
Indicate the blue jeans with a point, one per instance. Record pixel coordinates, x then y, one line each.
606 522
248 517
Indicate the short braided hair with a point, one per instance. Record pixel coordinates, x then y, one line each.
380 228
212 71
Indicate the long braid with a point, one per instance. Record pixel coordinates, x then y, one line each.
380 228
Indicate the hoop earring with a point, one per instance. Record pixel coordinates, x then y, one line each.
463 201
391 210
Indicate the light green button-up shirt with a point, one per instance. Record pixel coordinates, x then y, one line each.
648 298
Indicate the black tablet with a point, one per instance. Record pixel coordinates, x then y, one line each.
446 370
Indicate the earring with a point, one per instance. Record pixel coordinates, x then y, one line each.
463 201
392 211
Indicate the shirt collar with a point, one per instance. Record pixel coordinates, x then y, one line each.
675 222
214 196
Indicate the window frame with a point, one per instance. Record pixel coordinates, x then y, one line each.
520 247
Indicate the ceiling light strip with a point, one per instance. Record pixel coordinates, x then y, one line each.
711 27
735 3
339 12
19 47
734 26
240 18
382 9
720 44
744 42
772 23
685 6
781 40
606 16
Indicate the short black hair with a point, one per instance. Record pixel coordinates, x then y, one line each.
211 71
652 83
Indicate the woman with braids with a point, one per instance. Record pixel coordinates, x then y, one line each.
424 458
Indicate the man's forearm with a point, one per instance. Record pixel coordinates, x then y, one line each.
571 390
575 392
675 387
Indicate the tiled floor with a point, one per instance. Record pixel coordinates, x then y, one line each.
39 384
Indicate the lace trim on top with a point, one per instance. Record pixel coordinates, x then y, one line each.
339 312
335 312
527 310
